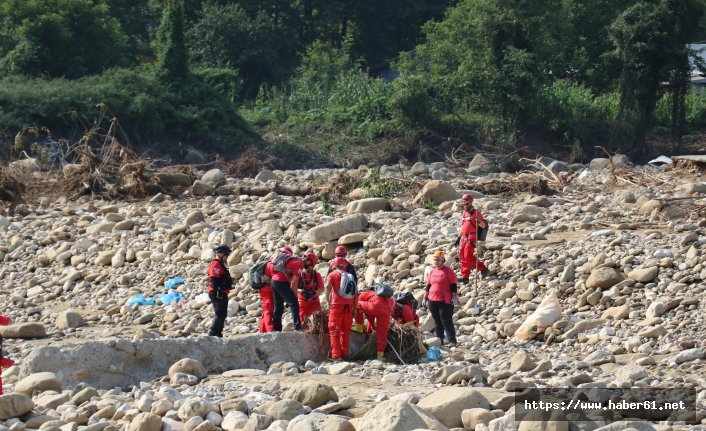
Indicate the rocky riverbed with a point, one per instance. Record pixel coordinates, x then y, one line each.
622 248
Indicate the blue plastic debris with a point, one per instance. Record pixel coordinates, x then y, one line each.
174 282
171 297
140 299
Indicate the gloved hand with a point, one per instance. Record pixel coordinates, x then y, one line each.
458 241
425 302
219 294
454 299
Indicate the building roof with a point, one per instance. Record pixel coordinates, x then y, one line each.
700 51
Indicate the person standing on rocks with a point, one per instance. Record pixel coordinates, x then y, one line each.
285 283
267 323
441 296
220 283
311 284
376 304
471 220
342 252
341 310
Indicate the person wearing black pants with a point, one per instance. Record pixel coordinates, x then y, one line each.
284 293
219 285
441 295
286 271
442 313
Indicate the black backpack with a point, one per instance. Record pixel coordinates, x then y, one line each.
406 298
482 232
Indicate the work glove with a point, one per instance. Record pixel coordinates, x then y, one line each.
458 241
454 299
425 303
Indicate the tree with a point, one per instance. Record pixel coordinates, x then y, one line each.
258 46
59 38
172 59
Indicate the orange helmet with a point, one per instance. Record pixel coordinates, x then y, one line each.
440 254
340 251
339 262
467 198
312 257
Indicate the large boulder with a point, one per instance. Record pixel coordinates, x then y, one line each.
644 275
337 228
281 410
311 394
173 179
604 278
45 381
481 165
214 177
438 192
14 404
23 330
369 205
188 366
393 415
146 422
69 319
267 175
446 404
319 422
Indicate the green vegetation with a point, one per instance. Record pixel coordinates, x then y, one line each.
304 80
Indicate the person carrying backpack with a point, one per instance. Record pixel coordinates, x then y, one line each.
441 296
471 220
310 286
341 298
404 310
285 282
219 285
267 323
349 268
376 304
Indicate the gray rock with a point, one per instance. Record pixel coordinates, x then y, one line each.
14 405
267 175
40 382
69 319
311 394
337 228
366 206
394 415
438 192
446 404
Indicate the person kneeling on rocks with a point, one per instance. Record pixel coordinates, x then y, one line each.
441 296
310 286
404 311
341 299
376 305
219 285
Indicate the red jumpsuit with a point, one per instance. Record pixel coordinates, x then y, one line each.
340 318
467 250
404 313
4 362
268 303
378 311
309 282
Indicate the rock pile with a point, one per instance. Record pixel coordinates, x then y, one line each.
623 250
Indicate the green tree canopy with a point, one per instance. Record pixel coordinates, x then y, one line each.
59 38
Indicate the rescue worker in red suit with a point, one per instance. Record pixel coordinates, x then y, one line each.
471 220
311 284
342 252
285 284
441 296
404 315
267 323
220 283
4 362
377 309
341 312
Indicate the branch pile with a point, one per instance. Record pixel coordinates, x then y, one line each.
404 344
535 184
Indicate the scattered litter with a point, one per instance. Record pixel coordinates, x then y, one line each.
140 299
661 160
433 354
174 282
171 298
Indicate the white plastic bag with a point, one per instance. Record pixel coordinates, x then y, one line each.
548 312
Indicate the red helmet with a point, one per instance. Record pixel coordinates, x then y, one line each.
287 250
339 262
340 251
467 198
312 257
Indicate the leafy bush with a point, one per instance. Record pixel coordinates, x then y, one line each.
146 109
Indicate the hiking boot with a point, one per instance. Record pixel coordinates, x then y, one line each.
332 359
463 280
381 356
359 328
484 273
